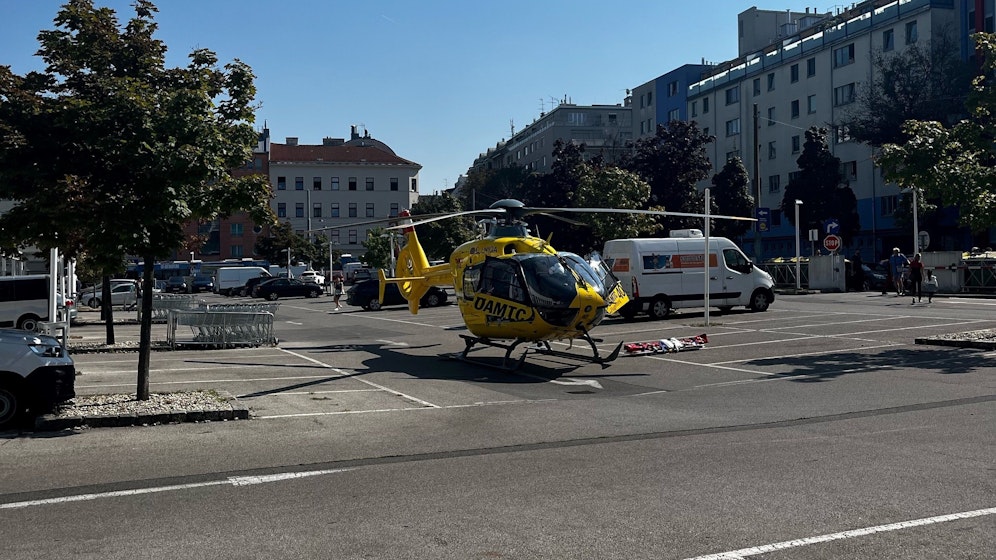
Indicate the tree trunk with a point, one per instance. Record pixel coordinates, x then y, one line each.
145 332
107 309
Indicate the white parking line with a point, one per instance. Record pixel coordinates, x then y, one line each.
764 549
199 381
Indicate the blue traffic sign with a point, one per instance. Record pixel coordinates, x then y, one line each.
763 216
831 227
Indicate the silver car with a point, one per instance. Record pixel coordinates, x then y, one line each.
123 293
36 373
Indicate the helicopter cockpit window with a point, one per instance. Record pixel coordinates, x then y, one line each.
550 283
471 277
585 271
501 278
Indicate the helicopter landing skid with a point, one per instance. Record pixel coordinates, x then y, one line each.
540 346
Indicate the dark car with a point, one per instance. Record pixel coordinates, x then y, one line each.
252 285
287 287
366 295
201 283
176 285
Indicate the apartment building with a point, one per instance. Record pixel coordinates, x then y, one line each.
812 78
663 99
337 183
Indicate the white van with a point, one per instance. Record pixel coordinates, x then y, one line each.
661 274
24 302
228 279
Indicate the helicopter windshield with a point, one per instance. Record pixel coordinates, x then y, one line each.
585 271
550 283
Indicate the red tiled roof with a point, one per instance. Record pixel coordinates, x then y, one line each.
336 154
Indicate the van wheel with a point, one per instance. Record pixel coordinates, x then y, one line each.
28 323
93 303
660 307
374 305
759 301
11 405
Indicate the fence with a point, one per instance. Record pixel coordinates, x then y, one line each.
225 329
162 304
783 272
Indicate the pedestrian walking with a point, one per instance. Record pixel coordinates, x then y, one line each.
930 286
916 278
857 272
897 266
337 290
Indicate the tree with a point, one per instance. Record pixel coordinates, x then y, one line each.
485 186
956 164
109 152
925 81
732 196
281 237
378 248
673 161
819 185
611 187
438 239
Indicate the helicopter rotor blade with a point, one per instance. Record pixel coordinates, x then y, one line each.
391 220
562 219
414 222
634 211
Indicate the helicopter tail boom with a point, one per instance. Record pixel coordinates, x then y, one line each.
413 273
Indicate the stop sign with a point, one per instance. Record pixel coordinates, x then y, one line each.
831 242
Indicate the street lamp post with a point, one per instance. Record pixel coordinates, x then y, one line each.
798 278
916 225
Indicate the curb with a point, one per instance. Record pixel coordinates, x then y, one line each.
54 422
976 344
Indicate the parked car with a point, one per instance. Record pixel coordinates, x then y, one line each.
200 283
252 285
312 276
123 292
159 286
287 287
176 285
362 275
366 294
36 373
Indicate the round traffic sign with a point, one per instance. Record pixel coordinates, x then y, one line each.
831 242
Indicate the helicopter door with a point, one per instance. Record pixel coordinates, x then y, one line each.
502 278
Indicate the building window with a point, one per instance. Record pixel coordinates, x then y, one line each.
352 209
335 237
889 204
370 210
236 251
888 40
811 67
796 144
705 131
843 56
841 134
370 183
811 104
911 33
732 95
673 115
771 81
672 89
794 73
650 101
352 237
299 183
394 183
771 116
281 210
771 150
414 184
299 210
757 86
774 183
316 184
849 169
733 127
334 210
394 210
281 183
316 210
236 230
335 183
352 183
843 95
705 105
733 154
795 109
794 176
695 108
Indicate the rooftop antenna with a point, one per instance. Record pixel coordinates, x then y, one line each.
511 125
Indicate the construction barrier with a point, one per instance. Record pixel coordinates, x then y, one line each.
222 329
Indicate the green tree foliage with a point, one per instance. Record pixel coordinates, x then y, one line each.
956 164
109 152
485 186
611 187
438 239
673 161
819 185
556 189
273 247
926 81
378 248
731 196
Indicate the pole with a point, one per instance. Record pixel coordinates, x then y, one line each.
288 262
757 187
798 257
916 225
705 257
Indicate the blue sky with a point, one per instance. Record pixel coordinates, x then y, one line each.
440 81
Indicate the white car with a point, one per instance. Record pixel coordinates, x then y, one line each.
312 276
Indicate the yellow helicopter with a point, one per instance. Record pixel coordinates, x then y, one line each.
514 288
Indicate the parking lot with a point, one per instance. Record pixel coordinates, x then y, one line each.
356 362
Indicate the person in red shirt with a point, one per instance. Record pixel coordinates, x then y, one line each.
916 278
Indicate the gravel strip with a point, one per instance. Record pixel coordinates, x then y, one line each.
158 403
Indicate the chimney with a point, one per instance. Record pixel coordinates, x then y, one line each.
352 133
328 141
292 140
